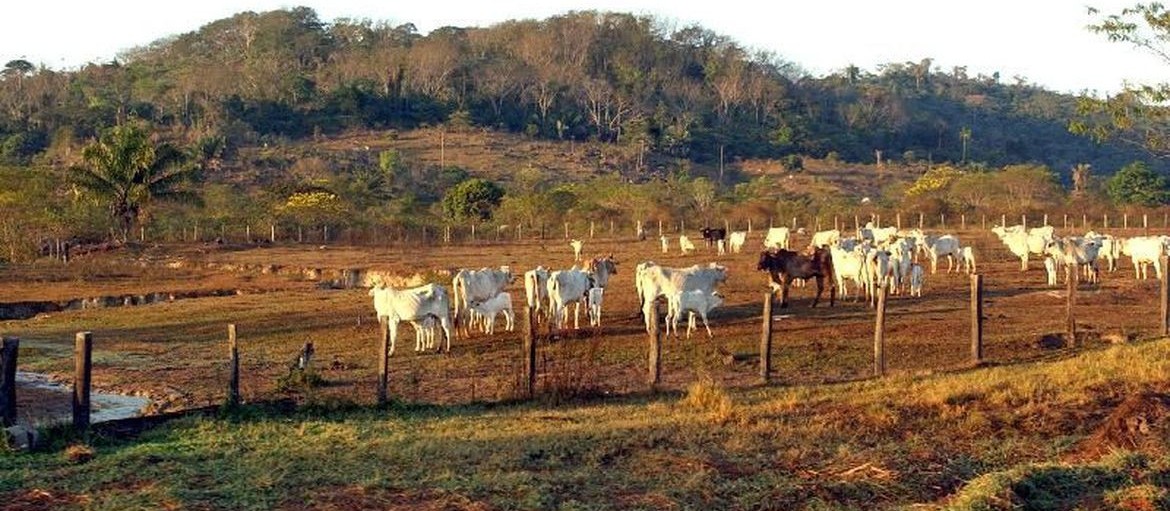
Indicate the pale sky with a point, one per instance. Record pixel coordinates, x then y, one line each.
1042 41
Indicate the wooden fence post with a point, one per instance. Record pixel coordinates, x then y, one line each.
963 221
836 223
1024 221
898 220
272 233
766 340
921 220
749 226
590 230
1066 220
1084 221
233 367
655 376
1106 220
529 352
1045 224
82 371
383 360
1164 328
1003 220
9 348
856 223
1125 220
879 334
660 228
983 221
1145 224
976 318
1070 319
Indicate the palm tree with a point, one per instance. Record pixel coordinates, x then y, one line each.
129 171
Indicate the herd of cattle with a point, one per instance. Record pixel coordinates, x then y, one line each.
875 259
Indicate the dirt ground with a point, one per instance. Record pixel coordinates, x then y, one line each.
176 352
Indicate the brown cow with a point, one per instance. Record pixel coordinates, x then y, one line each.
785 265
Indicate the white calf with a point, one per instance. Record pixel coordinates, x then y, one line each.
969 260
653 281
566 287
736 240
488 309
595 297
692 302
685 245
577 245
937 246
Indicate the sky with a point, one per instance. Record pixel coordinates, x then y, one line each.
1043 42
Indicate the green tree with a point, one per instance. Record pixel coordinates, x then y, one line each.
474 198
126 170
1136 115
1137 184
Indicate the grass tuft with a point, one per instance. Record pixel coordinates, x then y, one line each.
705 395
77 454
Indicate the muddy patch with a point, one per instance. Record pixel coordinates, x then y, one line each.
41 401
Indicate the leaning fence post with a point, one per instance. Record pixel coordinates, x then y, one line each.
977 318
383 359
9 348
879 334
655 376
82 370
529 351
233 367
766 340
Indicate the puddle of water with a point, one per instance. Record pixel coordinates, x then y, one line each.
103 407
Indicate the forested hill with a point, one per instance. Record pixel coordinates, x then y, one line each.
631 80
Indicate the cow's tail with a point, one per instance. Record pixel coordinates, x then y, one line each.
459 291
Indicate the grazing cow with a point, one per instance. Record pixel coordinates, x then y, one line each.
685 245
567 287
712 235
653 281
785 265
1050 270
665 244
1024 243
777 238
536 288
413 305
1143 251
821 239
488 309
735 240
577 245
848 264
1074 253
692 302
594 298
936 246
481 284
917 276
968 260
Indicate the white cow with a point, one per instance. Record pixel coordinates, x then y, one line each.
1074 253
1143 251
595 297
777 237
917 278
653 281
1022 243
1110 248
877 235
901 257
577 245
685 245
692 302
736 240
413 305
567 287
937 246
481 284
665 244
848 264
601 268
825 238
488 309
536 288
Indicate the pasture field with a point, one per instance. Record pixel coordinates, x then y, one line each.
823 435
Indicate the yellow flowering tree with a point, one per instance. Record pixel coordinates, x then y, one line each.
313 208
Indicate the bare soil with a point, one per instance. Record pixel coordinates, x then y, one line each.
176 353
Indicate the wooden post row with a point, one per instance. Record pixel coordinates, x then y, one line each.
82 372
